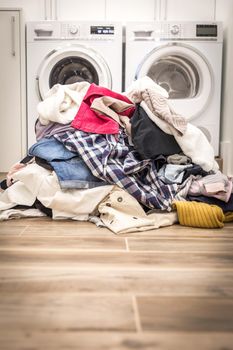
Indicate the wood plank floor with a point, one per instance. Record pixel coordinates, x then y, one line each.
71 285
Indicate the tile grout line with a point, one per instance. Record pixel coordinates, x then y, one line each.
21 232
88 250
104 269
136 314
127 244
60 250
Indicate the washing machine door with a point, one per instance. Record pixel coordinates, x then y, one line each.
184 72
75 63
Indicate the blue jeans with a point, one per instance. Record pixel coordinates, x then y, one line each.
69 167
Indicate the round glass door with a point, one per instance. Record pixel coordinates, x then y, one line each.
177 75
184 73
71 70
70 65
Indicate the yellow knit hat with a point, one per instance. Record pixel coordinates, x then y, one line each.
228 216
198 214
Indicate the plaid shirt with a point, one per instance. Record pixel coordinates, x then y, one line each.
112 159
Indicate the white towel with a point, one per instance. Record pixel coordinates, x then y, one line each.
135 90
62 102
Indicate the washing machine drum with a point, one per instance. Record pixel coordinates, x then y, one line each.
176 75
70 65
73 69
186 75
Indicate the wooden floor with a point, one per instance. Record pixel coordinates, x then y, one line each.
71 285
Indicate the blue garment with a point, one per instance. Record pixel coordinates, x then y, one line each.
211 200
173 173
109 157
69 167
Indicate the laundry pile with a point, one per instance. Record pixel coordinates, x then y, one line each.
125 161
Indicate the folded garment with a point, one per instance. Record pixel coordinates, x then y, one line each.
215 185
69 167
112 107
101 122
199 214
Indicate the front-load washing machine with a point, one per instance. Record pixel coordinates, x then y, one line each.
185 58
61 52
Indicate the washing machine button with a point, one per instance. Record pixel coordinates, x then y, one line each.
73 29
175 29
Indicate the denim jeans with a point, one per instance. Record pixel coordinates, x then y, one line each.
69 167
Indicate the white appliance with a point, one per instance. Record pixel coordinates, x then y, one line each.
68 52
186 59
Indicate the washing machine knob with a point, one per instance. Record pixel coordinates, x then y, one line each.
73 29
175 29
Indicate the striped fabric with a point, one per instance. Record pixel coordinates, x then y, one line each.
158 105
198 214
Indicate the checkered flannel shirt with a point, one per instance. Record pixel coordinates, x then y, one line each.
112 159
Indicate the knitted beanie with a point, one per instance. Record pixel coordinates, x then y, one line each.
198 214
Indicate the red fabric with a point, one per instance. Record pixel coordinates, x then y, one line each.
89 121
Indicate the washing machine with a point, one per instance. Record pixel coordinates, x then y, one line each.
185 58
61 52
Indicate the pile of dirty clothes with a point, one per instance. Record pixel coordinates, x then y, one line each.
126 161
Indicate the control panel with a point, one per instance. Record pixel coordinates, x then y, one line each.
164 30
74 31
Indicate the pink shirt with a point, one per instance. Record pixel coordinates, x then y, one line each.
89 121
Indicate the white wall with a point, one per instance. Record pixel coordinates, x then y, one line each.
147 10
189 10
80 9
32 9
122 10
224 12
